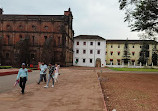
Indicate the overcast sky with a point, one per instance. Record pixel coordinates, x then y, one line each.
90 17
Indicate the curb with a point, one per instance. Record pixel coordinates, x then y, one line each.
105 108
10 73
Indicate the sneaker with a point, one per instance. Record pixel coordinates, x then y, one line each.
52 85
46 86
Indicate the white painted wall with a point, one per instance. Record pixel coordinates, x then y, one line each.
89 56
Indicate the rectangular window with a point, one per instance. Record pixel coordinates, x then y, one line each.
98 52
133 46
118 46
90 60
84 60
133 53
77 60
98 43
84 51
118 53
91 43
77 43
91 51
111 52
84 43
118 61
111 46
77 51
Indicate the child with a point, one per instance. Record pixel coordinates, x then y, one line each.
56 72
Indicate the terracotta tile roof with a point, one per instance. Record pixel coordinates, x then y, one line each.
89 37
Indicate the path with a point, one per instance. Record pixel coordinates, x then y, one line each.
77 90
7 82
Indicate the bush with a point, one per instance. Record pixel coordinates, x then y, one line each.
5 67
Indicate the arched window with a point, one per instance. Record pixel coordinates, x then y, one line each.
8 27
46 27
20 26
33 27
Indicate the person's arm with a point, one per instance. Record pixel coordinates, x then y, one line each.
27 74
19 73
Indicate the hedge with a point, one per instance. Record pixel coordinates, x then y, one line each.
5 67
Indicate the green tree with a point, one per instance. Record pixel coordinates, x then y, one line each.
47 52
142 15
144 53
154 54
22 52
126 53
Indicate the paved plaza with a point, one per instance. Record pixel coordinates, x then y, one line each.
77 90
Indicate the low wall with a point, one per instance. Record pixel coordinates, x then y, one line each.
10 72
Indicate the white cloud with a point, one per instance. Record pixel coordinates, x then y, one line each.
99 17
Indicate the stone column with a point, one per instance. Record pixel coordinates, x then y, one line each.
128 64
146 64
134 64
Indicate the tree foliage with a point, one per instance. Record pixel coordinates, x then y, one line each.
142 15
47 53
22 52
126 53
144 53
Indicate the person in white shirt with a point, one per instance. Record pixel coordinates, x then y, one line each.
23 76
56 72
43 72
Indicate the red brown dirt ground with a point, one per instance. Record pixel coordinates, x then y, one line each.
77 90
125 91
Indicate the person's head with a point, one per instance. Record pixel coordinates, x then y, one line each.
50 64
42 63
23 65
56 65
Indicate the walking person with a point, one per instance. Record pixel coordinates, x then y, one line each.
23 75
56 72
50 75
43 72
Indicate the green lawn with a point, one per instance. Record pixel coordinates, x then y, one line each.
135 69
5 67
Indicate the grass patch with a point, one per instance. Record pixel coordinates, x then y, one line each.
33 68
5 67
135 69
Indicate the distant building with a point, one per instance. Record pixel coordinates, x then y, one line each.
89 50
37 29
115 50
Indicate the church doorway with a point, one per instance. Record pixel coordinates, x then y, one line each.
98 62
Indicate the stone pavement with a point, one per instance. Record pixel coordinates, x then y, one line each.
77 90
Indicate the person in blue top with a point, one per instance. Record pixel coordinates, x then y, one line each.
43 72
23 76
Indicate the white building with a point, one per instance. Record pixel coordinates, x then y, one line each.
89 50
